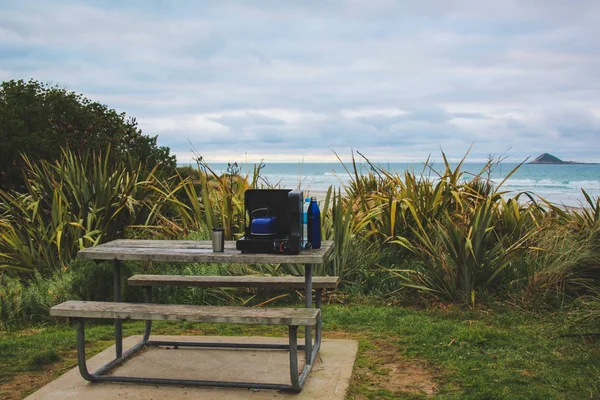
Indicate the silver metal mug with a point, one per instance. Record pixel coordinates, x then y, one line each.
217 236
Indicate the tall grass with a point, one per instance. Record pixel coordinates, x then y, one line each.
564 263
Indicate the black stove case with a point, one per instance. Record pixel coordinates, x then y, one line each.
286 205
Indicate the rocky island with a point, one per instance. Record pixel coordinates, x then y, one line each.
550 159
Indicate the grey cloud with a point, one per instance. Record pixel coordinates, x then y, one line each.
575 125
433 115
250 119
514 124
470 115
381 122
429 57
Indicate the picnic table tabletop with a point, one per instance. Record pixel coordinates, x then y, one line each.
196 251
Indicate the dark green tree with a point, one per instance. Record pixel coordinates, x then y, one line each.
37 119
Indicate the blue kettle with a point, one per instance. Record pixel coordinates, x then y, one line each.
263 222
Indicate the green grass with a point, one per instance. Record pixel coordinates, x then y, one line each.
486 355
474 354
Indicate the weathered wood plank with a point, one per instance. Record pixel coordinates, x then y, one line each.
196 251
287 282
172 312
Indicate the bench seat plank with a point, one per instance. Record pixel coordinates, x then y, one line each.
193 313
288 282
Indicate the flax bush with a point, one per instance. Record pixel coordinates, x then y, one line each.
68 205
432 234
453 237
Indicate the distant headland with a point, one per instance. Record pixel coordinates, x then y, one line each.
550 159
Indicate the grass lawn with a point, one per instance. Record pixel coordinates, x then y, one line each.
404 353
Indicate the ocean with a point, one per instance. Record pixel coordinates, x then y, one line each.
560 183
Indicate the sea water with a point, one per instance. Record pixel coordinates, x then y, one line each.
557 183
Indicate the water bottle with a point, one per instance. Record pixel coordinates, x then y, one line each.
305 206
314 223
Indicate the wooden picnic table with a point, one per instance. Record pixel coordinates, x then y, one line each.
188 251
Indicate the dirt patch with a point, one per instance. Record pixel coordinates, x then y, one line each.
340 335
404 377
18 387
383 367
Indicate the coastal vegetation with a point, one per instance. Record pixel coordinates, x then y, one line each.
452 272
416 237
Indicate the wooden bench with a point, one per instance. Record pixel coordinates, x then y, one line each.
191 313
281 282
292 317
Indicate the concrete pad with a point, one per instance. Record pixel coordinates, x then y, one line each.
329 378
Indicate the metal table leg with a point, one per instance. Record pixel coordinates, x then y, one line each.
98 374
148 327
308 304
294 379
118 323
319 327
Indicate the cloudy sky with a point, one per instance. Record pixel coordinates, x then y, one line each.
291 80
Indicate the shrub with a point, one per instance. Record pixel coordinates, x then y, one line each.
37 119
25 303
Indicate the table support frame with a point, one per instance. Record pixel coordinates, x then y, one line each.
297 377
